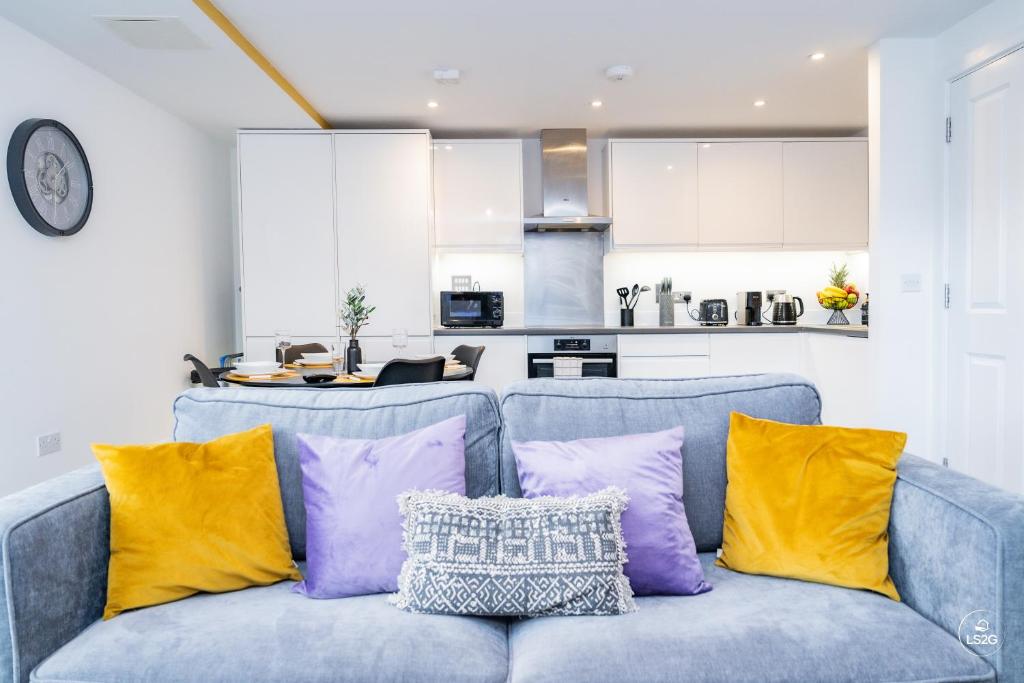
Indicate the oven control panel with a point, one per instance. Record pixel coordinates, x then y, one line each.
572 345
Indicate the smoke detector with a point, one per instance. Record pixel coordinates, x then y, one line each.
619 73
447 76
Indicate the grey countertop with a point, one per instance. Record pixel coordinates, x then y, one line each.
841 330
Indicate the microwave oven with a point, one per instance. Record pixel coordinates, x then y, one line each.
472 309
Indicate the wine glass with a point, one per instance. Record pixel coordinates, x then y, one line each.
399 340
283 342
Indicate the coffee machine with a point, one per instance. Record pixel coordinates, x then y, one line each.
748 308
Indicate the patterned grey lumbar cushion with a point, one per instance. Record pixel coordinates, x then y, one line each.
513 556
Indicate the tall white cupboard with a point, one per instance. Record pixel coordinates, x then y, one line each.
323 211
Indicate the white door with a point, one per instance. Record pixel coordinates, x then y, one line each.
653 193
986 250
478 193
740 194
287 228
383 217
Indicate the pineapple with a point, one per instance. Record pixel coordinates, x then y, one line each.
837 276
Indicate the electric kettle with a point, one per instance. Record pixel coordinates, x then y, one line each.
785 309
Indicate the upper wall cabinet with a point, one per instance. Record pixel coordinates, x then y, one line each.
478 194
740 193
286 216
826 193
653 193
383 219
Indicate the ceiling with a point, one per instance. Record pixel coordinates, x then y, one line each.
699 65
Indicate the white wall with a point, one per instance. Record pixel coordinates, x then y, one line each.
908 103
906 129
95 325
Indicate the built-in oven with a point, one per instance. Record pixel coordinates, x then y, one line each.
596 354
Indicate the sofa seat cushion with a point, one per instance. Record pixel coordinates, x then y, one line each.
274 635
750 628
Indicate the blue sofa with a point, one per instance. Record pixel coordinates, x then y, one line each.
956 545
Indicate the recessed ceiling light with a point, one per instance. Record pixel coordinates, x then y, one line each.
817 56
706 145
432 104
669 167
596 104
448 147
759 103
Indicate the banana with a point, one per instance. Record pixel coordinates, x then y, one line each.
834 291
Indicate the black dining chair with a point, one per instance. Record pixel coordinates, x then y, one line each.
402 371
468 356
295 352
206 375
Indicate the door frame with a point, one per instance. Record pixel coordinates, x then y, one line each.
941 427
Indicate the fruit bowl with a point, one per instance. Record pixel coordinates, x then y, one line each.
838 303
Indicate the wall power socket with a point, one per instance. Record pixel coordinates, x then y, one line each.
48 444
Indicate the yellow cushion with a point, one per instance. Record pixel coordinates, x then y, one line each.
810 502
187 518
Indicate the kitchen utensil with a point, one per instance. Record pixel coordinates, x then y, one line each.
785 309
666 306
623 293
632 304
748 308
633 295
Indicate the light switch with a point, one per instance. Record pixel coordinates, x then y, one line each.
911 282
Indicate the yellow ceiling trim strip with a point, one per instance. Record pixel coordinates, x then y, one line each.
232 32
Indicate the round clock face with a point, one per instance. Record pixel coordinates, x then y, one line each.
51 184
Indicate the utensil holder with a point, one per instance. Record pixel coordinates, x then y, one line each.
666 310
626 317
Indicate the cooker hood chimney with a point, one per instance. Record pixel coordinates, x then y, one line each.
564 184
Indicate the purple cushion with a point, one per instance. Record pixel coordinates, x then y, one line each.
351 486
659 545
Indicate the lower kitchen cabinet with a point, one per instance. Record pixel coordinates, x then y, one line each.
503 361
738 354
663 367
838 366
663 356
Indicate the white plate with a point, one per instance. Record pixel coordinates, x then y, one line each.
448 358
248 368
371 369
365 375
307 361
272 373
318 357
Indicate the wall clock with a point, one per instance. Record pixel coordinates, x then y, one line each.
49 177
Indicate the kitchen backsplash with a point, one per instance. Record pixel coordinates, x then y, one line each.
709 275
719 275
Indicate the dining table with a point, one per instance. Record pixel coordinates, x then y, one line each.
294 378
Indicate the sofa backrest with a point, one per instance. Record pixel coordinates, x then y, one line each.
204 414
563 410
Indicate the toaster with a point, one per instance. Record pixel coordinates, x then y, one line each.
714 312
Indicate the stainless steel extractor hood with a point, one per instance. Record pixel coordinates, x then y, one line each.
564 184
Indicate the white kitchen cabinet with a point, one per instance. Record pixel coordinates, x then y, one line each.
503 361
752 352
478 194
825 194
286 217
383 218
740 193
838 367
663 367
653 193
663 356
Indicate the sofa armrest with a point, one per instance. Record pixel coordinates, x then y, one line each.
956 545
54 549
